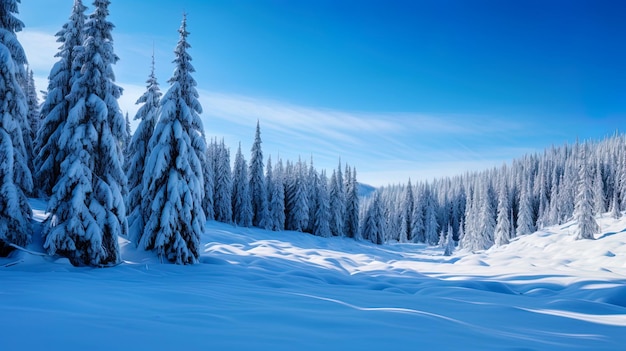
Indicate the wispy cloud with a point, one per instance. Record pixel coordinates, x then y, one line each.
384 147
40 48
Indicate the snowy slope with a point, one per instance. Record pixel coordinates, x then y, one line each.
290 291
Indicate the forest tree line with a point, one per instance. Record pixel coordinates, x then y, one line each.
159 186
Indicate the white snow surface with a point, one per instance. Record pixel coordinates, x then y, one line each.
263 290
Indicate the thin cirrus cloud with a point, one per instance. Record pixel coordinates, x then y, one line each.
384 147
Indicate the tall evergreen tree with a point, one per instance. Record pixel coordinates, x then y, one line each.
242 202
312 184
138 150
449 242
15 176
352 206
431 225
32 119
208 169
276 193
173 179
321 226
502 234
418 230
33 106
525 223
599 199
128 135
87 207
615 206
55 108
373 222
223 192
337 202
298 199
583 213
258 189
407 213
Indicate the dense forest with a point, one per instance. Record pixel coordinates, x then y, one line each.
159 186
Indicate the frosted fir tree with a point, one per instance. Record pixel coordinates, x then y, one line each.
373 222
449 245
312 185
615 207
223 185
337 203
138 150
173 179
621 180
352 206
258 189
599 199
87 208
418 230
276 193
321 225
583 212
128 135
487 218
208 168
29 125
55 108
525 221
407 213
32 101
15 176
298 200
502 234
431 225
242 202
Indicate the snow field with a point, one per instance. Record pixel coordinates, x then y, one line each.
257 289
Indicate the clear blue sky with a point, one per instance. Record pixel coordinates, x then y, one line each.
398 89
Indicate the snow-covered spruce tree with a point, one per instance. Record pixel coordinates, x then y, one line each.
486 224
599 199
276 193
615 207
138 150
87 210
352 206
502 234
321 226
33 109
407 213
208 169
32 117
525 223
583 212
337 202
449 243
258 189
298 199
55 108
431 225
418 230
242 202
223 192
128 135
173 179
15 176
312 185
374 221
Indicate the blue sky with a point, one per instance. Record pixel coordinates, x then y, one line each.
397 89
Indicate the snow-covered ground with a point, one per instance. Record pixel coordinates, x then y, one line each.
260 290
